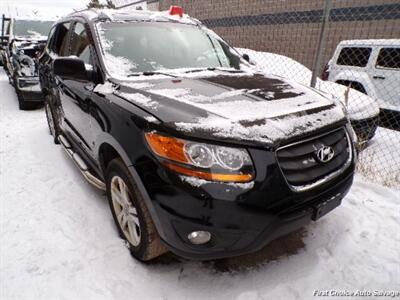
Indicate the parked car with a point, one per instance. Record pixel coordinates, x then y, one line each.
23 72
25 43
198 152
363 110
373 68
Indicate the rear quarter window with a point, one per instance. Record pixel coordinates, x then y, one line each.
389 58
354 56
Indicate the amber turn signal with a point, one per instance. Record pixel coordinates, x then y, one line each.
210 176
199 159
167 147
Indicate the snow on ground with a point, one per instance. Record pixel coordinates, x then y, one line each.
380 161
58 240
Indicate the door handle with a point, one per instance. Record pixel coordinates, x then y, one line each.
379 77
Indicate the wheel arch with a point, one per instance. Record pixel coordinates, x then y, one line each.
106 154
110 150
357 77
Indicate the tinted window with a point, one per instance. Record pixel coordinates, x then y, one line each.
357 57
60 43
51 38
389 58
80 45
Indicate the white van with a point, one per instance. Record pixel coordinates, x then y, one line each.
372 67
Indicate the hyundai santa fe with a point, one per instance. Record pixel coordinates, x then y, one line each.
198 153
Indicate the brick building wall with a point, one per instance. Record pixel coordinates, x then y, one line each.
292 27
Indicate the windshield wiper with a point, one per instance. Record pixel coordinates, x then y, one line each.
200 70
151 73
214 69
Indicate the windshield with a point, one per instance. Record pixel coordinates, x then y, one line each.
131 48
30 27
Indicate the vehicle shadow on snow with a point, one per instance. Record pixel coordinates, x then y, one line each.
280 248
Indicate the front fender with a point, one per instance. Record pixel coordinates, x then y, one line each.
111 141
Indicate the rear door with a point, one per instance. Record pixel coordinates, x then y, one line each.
75 94
386 77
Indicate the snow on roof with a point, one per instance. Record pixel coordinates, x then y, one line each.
131 14
371 42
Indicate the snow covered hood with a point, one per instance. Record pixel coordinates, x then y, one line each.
359 106
251 108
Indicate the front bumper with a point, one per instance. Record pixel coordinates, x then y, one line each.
390 119
365 129
236 238
241 218
31 92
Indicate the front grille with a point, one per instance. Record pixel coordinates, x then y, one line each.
300 164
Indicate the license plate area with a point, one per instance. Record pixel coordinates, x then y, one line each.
325 207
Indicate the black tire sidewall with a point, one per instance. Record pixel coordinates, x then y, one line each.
46 109
116 167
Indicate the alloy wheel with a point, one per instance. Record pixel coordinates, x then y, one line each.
125 211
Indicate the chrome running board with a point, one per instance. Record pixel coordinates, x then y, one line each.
80 163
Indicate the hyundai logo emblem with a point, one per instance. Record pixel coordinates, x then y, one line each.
325 154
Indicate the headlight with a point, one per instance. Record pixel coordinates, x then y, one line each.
206 161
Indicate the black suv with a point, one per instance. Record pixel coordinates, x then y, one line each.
197 152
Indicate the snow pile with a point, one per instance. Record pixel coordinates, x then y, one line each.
139 99
380 161
58 240
359 105
106 88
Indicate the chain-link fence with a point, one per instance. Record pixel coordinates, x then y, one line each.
348 48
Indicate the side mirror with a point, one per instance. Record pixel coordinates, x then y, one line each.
246 57
70 68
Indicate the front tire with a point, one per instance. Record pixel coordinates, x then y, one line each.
131 216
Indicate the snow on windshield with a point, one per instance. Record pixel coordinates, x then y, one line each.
161 46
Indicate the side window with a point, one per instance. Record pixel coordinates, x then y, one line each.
80 44
50 40
60 44
354 56
389 58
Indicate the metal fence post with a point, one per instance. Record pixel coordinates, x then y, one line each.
321 42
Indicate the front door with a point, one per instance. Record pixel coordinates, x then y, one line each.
386 77
75 94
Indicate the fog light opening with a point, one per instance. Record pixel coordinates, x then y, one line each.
199 237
